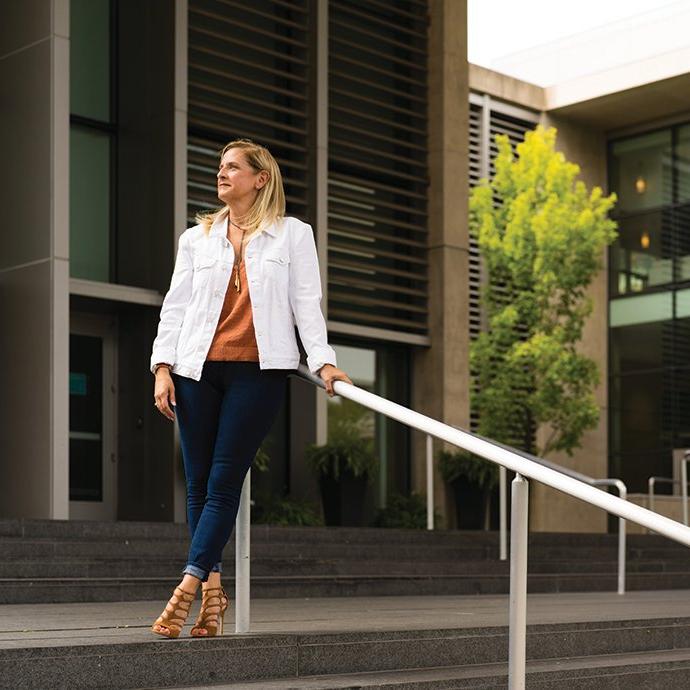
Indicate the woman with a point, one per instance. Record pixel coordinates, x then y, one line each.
243 277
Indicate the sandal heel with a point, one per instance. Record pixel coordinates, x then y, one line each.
212 623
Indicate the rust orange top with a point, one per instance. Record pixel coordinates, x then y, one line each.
234 338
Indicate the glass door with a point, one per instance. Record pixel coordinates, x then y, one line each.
92 418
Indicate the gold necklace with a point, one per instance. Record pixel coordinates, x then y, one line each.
237 264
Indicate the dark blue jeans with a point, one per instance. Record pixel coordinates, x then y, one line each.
223 419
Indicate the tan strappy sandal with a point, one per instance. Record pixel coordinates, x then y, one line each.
175 613
214 604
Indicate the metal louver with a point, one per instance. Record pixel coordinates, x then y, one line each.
487 119
248 77
501 119
377 164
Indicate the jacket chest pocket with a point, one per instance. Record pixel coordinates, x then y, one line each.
203 269
276 269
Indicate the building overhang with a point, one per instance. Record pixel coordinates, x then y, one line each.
665 98
624 96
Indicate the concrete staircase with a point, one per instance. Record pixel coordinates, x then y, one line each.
46 561
340 608
385 652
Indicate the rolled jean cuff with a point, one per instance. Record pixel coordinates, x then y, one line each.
196 571
217 568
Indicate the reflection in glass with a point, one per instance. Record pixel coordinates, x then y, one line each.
90 59
85 418
683 162
641 257
649 388
89 204
383 370
641 171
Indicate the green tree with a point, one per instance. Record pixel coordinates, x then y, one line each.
541 237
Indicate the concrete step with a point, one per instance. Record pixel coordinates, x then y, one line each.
260 566
94 530
592 654
662 670
49 548
101 589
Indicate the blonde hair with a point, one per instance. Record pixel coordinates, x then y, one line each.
269 205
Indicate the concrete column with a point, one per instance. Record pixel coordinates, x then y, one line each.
550 510
441 372
308 405
180 202
34 258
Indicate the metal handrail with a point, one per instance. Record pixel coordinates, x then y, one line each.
684 484
651 484
519 514
617 483
683 481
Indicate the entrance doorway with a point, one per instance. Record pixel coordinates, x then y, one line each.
92 417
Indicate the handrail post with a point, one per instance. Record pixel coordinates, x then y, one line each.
242 537
429 482
623 493
517 645
503 511
684 482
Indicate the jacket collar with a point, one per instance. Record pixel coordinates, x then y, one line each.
220 227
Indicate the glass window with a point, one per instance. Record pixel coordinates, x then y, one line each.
637 420
638 348
683 162
343 414
383 370
89 204
641 171
90 59
641 257
85 419
641 309
649 388
92 139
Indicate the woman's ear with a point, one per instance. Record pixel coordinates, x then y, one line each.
263 178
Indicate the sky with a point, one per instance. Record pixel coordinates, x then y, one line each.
497 28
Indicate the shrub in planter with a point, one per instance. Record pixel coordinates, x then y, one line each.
269 510
406 512
343 466
473 480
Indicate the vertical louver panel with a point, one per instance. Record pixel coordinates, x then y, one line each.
377 185
248 77
475 174
502 119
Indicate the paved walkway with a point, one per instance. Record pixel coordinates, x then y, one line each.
27 625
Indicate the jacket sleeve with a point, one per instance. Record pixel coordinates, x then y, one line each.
173 307
305 299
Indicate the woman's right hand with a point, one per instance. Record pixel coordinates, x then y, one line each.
164 393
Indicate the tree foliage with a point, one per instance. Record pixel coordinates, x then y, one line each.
541 236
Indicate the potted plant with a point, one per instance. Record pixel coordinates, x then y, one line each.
283 510
473 480
404 512
344 466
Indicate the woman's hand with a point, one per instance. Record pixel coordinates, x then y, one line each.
329 373
164 393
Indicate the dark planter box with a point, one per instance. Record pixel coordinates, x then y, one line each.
343 499
470 506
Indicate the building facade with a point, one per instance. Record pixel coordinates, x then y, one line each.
118 112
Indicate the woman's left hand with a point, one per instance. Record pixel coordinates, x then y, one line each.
329 373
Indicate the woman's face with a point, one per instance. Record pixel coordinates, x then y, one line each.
237 180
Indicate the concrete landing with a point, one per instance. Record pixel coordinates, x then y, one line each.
37 625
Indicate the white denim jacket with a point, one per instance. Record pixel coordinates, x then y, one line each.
282 270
